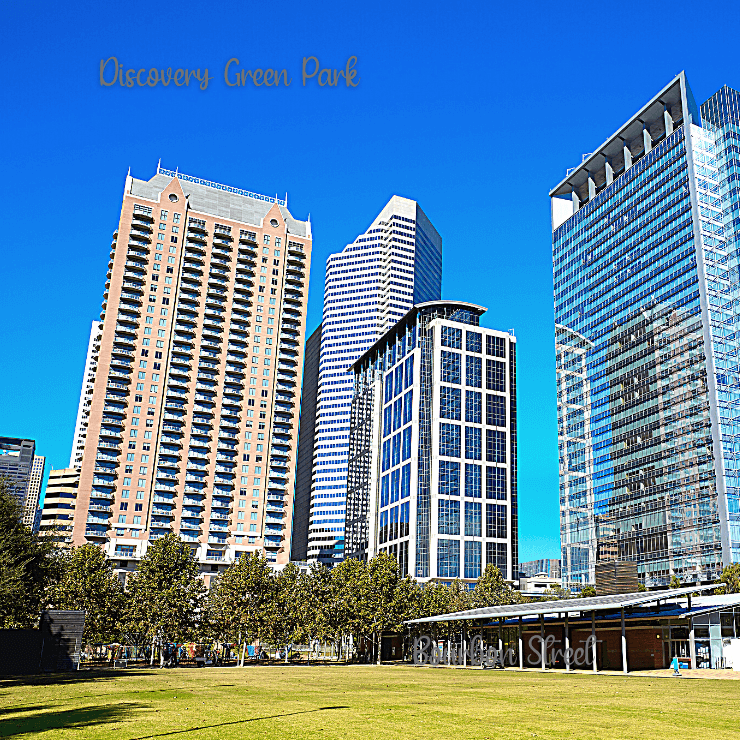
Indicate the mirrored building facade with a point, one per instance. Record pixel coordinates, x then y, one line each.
645 260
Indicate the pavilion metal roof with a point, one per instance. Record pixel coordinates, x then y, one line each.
715 608
591 603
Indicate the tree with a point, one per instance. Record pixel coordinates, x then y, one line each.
240 600
587 591
641 587
166 594
730 580
350 583
283 623
28 565
492 590
87 582
675 582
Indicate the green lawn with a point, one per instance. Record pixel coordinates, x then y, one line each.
364 702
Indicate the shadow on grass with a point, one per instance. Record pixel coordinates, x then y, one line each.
72 677
233 722
65 719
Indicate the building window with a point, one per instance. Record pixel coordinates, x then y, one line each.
496 521
473 551
473 414
395 450
473 519
449 517
406 444
495 446
496 346
384 492
449 478
472 443
449 403
397 413
473 341
387 420
398 379
451 372
395 485
473 371
449 440
383 527
267 239
495 376
472 480
388 387
405 520
497 554
386 456
407 407
495 410
451 337
496 483
406 481
409 364
448 558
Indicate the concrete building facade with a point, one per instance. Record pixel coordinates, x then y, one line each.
395 263
433 446
60 498
193 421
86 394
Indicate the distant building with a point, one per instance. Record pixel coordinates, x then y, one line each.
549 566
537 584
304 464
60 499
16 462
433 453
33 492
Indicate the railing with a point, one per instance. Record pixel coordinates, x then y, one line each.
218 186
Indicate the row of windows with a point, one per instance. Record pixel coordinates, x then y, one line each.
396 449
394 523
450 443
449 480
451 371
448 558
450 407
395 485
449 519
397 414
452 337
400 379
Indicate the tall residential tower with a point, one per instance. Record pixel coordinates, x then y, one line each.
370 285
647 303
192 426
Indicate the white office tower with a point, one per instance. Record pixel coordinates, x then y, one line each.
370 285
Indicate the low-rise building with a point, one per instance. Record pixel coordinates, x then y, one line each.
60 500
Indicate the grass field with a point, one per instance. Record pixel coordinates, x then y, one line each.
364 702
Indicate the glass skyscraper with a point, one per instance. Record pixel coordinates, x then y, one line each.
370 285
645 259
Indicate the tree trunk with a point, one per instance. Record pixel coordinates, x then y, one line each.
151 661
244 650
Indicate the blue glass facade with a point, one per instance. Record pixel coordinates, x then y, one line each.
645 310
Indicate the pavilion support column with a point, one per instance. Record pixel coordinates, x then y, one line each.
609 170
521 645
567 644
692 645
593 640
465 647
542 640
501 641
624 645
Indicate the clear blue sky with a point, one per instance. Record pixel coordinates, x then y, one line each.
475 110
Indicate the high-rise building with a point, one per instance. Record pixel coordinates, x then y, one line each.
193 421
60 497
16 461
549 566
370 285
645 257
433 447
306 438
86 394
33 492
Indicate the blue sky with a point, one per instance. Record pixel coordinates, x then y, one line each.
474 110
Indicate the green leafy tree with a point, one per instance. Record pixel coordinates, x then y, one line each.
587 591
284 623
641 587
240 601
730 580
675 582
492 590
28 565
350 582
87 582
166 594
